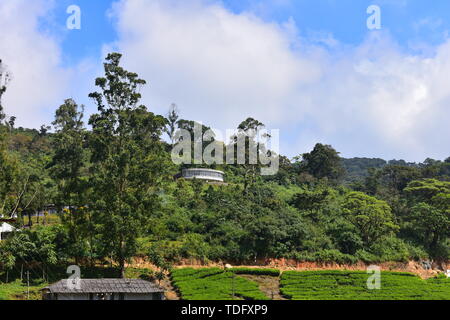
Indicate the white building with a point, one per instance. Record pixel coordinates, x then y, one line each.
203 174
5 230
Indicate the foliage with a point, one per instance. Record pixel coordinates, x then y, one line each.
372 217
112 185
214 284
127 158
256 271
352 285
323 162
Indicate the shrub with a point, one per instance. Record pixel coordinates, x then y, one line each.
335 256
214 284
256 271
416 252
365 256
391 249
352 285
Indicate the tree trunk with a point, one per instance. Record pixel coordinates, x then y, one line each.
122 268
435 241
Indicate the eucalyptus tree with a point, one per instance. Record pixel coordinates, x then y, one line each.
127 158
247 148
172 124
8 165
68 168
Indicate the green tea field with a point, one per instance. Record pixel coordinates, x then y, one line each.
214 284
352 285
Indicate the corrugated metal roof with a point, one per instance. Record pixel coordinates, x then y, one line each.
107 286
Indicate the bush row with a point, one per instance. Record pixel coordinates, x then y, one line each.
256 271
352 285
214 284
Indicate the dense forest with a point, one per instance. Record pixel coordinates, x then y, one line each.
111 179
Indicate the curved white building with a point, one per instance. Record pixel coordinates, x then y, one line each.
203 174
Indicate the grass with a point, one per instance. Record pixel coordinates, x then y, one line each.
18 291
256 271
51 219
214 284
352 285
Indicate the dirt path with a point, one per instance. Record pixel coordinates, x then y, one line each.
170 292
270 286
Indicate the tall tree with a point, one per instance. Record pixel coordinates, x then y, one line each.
323 162
68 168
128 161
430 215
172 117
8 165
5 77
247 136
372 217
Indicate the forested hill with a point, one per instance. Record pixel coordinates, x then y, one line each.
358 168
111 179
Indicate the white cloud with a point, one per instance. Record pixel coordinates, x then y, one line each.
220 67
33 58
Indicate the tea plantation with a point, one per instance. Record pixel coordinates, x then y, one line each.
352 285
214 284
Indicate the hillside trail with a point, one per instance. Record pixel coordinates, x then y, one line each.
269 285
170 291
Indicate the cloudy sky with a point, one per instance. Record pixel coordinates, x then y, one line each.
310 68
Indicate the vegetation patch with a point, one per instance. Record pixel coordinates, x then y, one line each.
256 271
352 285
214 284
18 291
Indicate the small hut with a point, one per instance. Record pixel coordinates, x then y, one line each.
103 289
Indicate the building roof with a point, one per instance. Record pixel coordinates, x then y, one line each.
106 286
204 170
5 227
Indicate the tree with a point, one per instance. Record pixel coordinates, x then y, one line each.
247 137
128 161
430 214
397 177
7 261
432 225
197 133
323 162
425 190
372 217
172 117
68 167
5 78
8 164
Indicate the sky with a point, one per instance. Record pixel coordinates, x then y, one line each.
310 68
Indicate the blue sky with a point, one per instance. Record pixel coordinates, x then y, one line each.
408 21
309 68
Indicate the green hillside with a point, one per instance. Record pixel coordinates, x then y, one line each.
351 285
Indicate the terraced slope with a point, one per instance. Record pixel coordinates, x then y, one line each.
352 285
214 284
